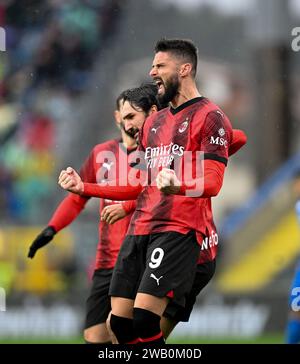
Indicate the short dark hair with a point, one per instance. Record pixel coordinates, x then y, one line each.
142 97
181 48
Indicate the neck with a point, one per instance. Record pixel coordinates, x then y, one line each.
187 91
127 141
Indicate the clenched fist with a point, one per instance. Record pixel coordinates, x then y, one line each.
167 182
70 180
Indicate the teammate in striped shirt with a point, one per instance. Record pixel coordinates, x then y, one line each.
101 164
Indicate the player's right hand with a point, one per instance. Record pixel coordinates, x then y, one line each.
70 180
167 182
41 240
113 213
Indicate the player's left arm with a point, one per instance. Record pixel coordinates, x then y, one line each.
129 206
208 185
239 139
216 137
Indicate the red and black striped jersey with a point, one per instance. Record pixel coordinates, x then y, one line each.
199 129
103 164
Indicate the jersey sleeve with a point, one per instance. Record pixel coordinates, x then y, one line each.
73 204
129 206
117 193
67 211
216 136
239 139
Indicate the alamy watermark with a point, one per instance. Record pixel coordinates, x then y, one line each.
2 299
2 40
295 305
296 41
188 167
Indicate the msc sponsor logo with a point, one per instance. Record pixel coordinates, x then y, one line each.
218 141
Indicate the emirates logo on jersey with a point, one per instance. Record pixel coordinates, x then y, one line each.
184 126
163 155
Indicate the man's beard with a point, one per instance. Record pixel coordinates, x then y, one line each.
130 132
171 90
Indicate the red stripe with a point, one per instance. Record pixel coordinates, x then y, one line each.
135 341
152 338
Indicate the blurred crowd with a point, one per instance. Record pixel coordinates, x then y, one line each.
51 47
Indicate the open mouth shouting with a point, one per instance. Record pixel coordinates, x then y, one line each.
160 85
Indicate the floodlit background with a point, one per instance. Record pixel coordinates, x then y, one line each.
65 63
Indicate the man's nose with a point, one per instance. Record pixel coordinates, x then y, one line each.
128 125
153 72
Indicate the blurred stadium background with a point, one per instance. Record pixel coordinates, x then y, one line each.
64 64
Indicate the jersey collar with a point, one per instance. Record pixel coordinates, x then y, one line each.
185 104
126 150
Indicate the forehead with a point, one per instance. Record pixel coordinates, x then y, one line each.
126 109
163 57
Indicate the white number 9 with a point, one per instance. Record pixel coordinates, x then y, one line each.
156 257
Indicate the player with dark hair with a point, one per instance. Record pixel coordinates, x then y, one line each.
158 259
132 115
101 164
293 323
163 228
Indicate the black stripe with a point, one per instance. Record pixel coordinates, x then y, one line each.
215 157
185 104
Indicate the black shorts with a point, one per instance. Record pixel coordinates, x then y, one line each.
204 274
162 264
98 303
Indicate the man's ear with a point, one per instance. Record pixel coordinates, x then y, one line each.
117 116
153 109
185 69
